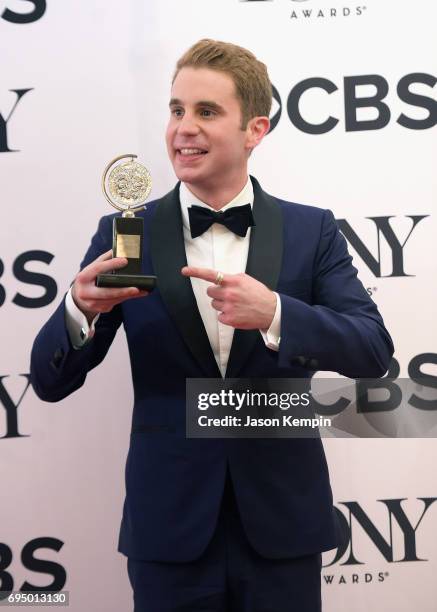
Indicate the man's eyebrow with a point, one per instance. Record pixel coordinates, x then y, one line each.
200 103
210 104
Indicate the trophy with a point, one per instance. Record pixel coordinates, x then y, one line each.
126 185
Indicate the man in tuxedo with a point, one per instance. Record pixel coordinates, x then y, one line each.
248 286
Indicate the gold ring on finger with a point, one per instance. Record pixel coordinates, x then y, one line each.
219 278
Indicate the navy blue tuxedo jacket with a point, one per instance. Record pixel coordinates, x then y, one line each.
174 484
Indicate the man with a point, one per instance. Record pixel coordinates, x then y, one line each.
215 524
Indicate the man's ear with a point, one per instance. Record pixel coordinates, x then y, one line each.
256 129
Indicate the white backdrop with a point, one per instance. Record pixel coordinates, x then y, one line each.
99 80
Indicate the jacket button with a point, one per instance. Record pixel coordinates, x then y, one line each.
57 358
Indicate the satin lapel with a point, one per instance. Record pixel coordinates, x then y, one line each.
168 257
263 263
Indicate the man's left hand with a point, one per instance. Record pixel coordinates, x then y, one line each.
242 301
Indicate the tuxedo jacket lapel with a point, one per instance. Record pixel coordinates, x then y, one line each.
168 257
263 263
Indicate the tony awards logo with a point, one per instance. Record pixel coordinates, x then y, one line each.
127 184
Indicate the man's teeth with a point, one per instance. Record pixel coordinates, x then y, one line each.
192 151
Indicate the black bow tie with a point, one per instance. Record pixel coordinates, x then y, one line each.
237 219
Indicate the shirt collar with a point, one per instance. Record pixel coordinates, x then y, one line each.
187 199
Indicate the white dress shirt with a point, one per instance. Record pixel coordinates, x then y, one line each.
217 248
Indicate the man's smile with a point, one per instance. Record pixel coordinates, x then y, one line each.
190 154
187 151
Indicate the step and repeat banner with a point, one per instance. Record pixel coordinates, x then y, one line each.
353 119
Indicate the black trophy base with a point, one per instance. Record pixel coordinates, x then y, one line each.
118 281
127 242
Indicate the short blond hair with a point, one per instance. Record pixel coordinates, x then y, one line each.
250 76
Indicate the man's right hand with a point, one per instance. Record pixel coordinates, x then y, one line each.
92 300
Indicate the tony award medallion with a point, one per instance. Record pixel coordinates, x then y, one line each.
126 184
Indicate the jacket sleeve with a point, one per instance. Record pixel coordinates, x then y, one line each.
56 368
342 330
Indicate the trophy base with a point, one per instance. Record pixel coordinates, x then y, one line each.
145 283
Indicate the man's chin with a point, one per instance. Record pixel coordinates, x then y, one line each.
188 175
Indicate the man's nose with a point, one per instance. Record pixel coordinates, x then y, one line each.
188 124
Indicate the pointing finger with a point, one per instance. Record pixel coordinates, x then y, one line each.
203 273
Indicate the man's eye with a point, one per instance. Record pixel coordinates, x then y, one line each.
206 112
177 112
